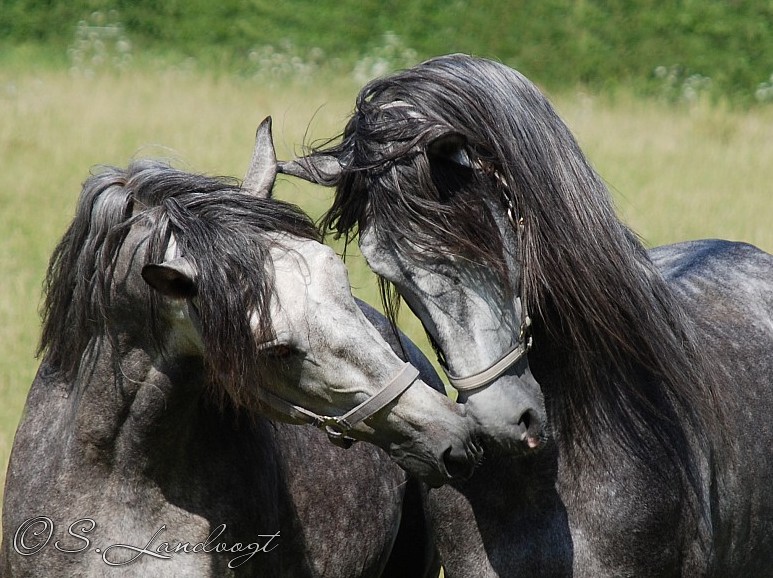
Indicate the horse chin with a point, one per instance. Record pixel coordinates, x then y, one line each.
454 463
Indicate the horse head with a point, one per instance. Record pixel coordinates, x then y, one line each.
426 205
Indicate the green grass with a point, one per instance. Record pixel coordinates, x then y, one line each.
681 172
559 43
677 173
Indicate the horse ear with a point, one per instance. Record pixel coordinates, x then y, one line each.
176 279
450 146
319 169
261 174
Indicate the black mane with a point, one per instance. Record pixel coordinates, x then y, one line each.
221 230
596 293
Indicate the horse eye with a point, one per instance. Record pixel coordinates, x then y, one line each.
281 351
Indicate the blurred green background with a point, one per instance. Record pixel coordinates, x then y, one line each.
678 47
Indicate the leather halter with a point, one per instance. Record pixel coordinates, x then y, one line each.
337 427
519 350
491 373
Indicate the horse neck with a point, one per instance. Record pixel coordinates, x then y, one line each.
614 423
132 408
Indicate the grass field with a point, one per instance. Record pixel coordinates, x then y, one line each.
677 172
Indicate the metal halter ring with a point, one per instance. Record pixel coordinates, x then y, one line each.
336 431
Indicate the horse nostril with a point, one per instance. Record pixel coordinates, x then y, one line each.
525 420
457 464
532 433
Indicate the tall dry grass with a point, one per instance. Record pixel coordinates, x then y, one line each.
682 172
677 173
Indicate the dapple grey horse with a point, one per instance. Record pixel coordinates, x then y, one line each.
141 450
650 455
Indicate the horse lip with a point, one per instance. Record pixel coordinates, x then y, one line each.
532 441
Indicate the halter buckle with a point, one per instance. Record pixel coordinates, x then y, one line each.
336 431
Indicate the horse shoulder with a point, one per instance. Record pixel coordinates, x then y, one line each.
625 519
34 465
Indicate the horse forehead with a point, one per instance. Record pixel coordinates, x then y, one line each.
311 289
133 248
305 264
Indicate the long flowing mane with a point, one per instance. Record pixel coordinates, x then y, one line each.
633 358
221 230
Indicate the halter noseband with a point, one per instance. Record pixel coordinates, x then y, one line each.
337 427
495 370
